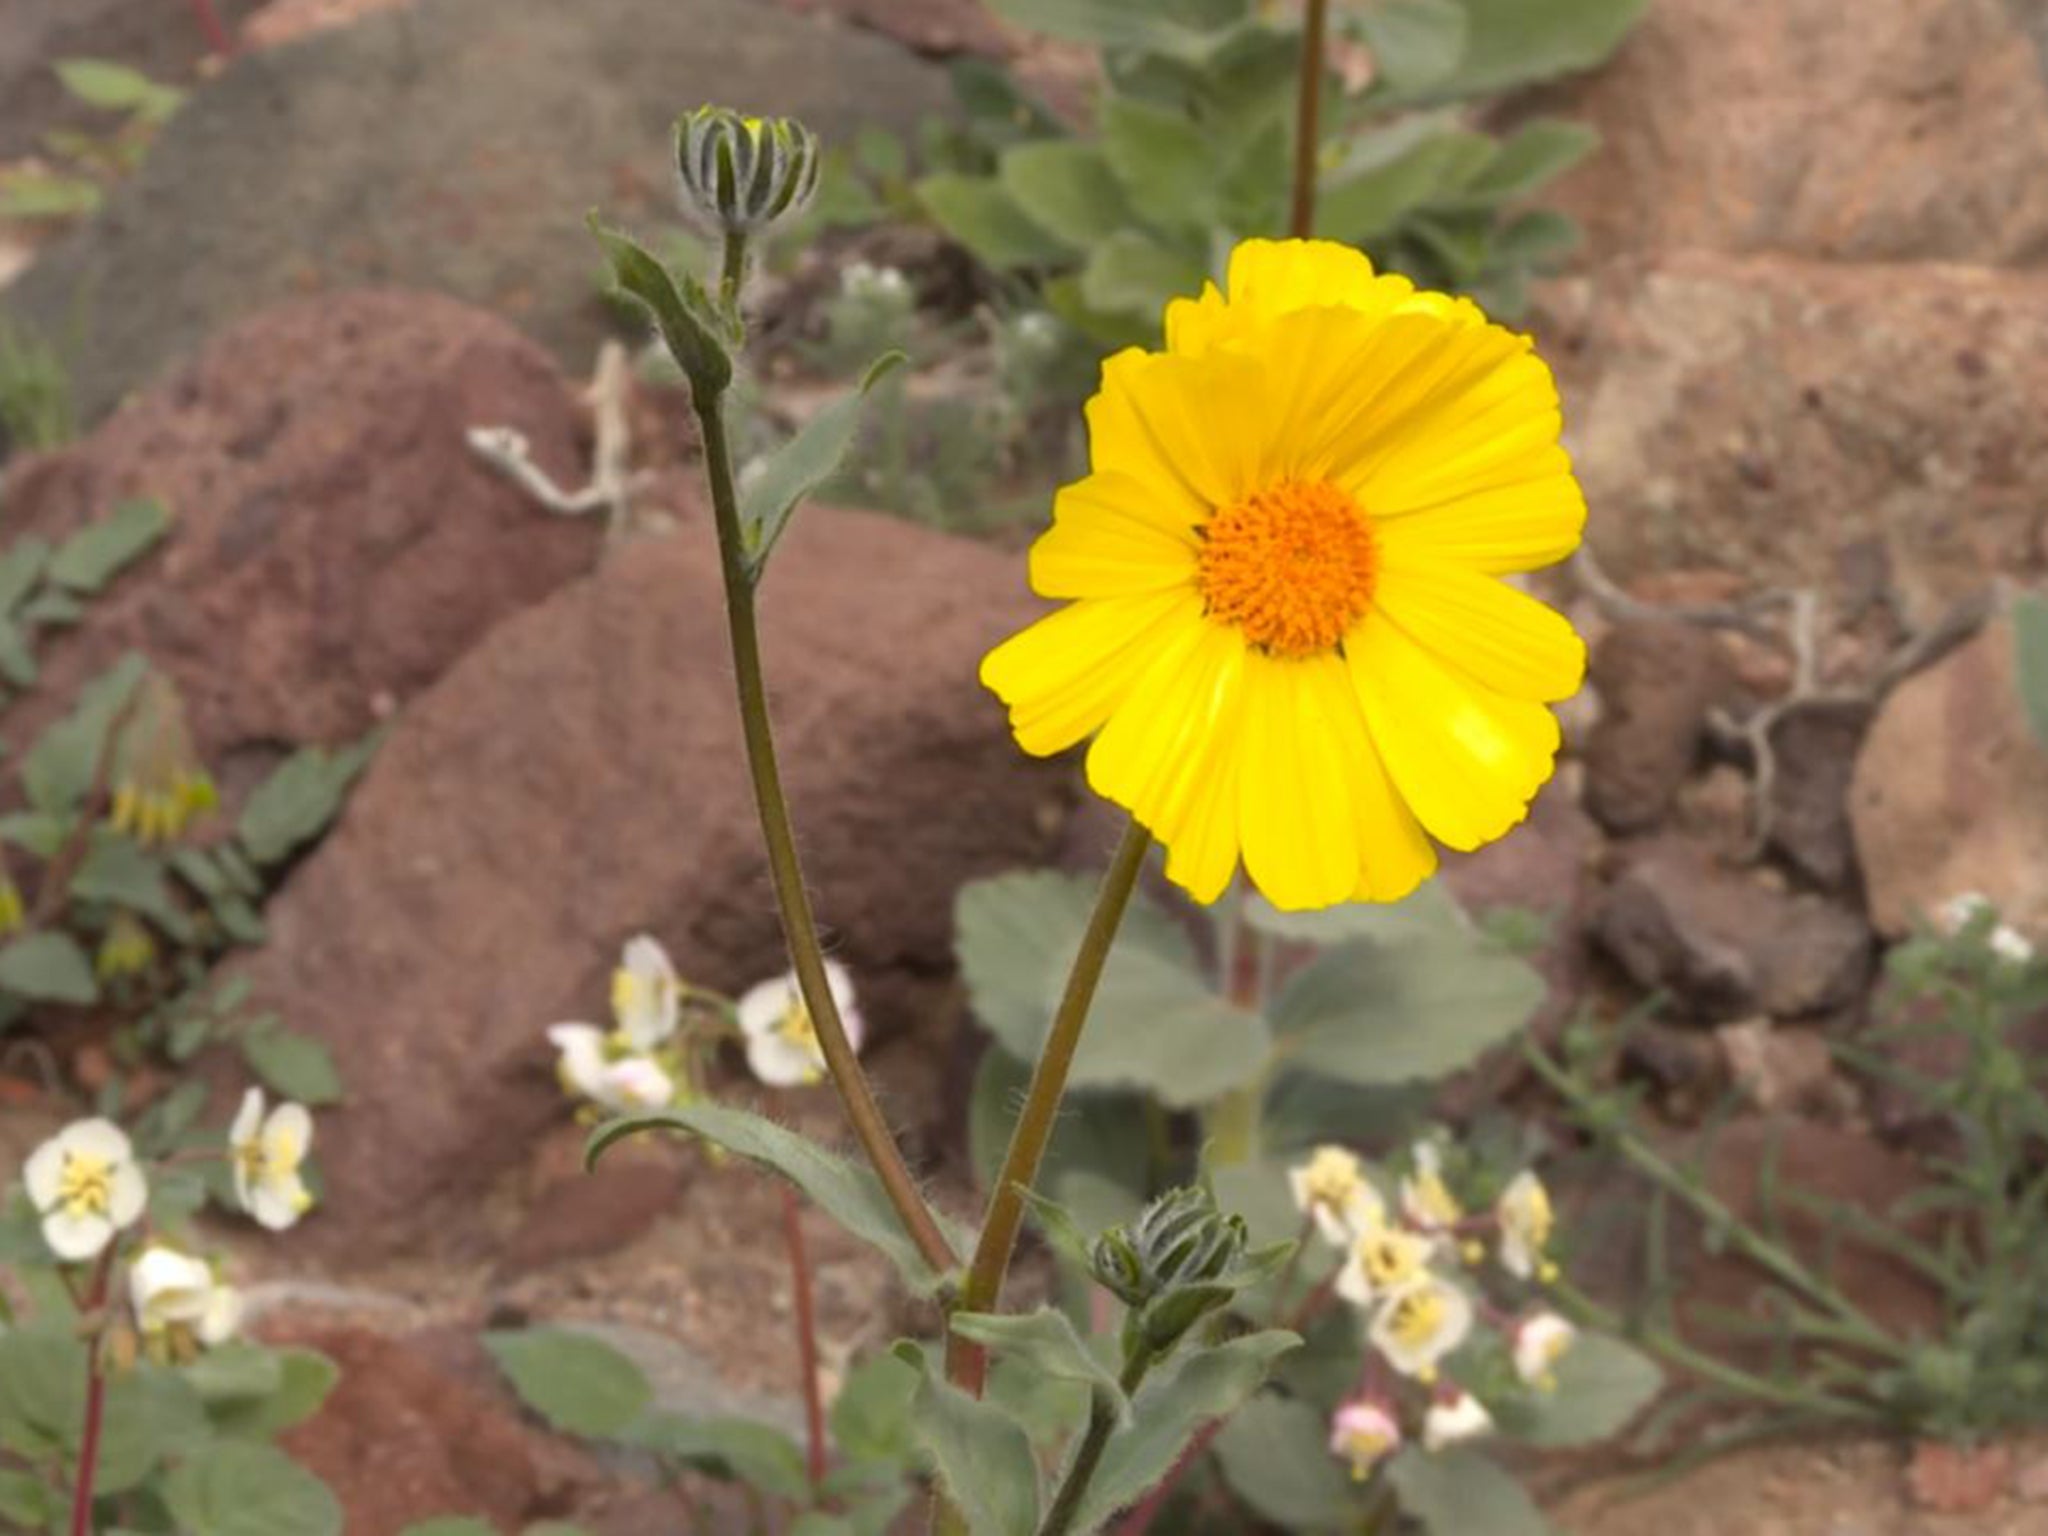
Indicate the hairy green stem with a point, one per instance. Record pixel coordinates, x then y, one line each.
732 271
799 928
1301 220
1094 1441
983 1289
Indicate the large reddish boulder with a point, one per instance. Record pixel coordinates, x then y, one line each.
337 545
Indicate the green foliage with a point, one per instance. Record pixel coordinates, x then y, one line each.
239 1489
301 797
1456 1491
579 1384
1193 143
981 1455
81 164
1274 1455
687 318
291 1065
801 465
2030 644
36 407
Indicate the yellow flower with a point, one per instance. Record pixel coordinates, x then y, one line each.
1285 627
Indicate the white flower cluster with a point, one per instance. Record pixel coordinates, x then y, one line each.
89 1190
646 1060
2006 941
1401 1269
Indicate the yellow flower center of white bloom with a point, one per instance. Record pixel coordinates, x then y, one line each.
86 1185
1418 1318
1391 1258
1292 566
273 1157
1432 1200
1364 1448
1331 1178
796 1027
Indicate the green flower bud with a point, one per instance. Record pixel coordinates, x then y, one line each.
1179 1240
741 174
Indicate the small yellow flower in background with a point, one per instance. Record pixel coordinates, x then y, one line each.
1540 1343
159 783
180 1302
1286 628
1417 1326
1454 1418
647 998
86 1186
126 948
1363 1433
1426 1200
1382 1259
1332 1187
13 911
782 1043
267 1154
1526 1219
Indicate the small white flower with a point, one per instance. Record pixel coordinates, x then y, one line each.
1417 1326
1454 1419
267 1154
85 1184
634 1083
1380 1260
782 1043
580 1063
170 1291
1526 1219
1332 1187
647 999
1363 1433
1426 1200
2006 941
1540 1343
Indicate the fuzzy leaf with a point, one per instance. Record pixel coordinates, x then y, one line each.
1602 1384
982 1455
1133 274
1067 189
305 1378
1537 152
96 554
301 797
1516 42
977 212
237 1488
20 568
1048 1343
801 465
47 967
738 1450
57 771
294 1065
1274 1454
1459 1491
580 1385
849 1193
1414 43
691 335
1360 207
1163 161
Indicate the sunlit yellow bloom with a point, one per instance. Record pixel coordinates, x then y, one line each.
1285 624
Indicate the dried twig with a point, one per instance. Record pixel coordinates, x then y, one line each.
611 484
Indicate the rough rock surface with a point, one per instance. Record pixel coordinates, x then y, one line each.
578 778
1815 751
336 545
1764 415
1914 132
1951 793
1656 681
453 145
1726 943
940 28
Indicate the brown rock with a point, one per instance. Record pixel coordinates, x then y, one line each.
939 28
402 1439
1814 749
1783 1069
582 1214
1765 415
1656 682
579 777
337 546
1914 132
1959 1479
1727 943
1951 793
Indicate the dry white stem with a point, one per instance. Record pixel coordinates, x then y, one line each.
612 482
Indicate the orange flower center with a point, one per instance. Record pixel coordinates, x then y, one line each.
1292 566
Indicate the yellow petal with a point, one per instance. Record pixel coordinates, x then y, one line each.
1465 758
1515 525
1498 410
1303 737
1111 535
1272 278
1063 676
1501 637
1194 427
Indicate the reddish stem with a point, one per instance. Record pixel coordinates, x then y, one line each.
95 1404
1312 1303
806 1335
217 37
1140 1519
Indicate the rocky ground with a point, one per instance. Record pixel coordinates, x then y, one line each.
1801 366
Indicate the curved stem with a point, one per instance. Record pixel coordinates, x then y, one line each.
1301 220
1094 1441
806 1337
965 1361
799 928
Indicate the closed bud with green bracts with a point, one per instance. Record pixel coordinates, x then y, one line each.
1177 1263
741 174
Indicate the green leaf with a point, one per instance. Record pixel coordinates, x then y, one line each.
739 1450
451 1525
96 554
119 871
1374 201
2030 647
1164 162
25 1502
849 1193
235 1372
58 770
305 1378
20 568
684 318
52 609
554 1528
1102 1134
1602 1384
1176 1400
1459 1492
300 798
1130 273
578 1384
1048 1343
28 193
1538 151
1275 1455
1067 189
117 88
17 661
1108 24
1155 1024
151 1415
293 1065
801 465
237 1488
1414 43
47 968
871 1415
1538 240
1516 42
977 212
982 1455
